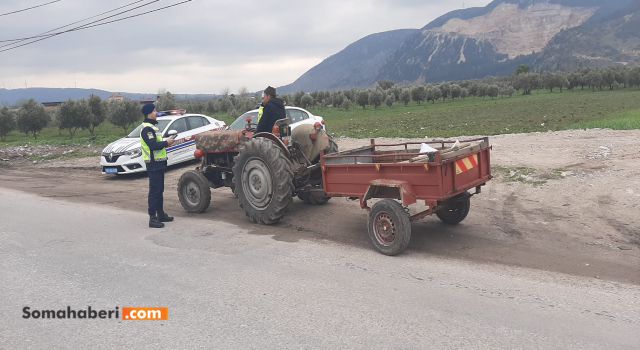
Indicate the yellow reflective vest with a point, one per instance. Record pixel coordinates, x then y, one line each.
159 155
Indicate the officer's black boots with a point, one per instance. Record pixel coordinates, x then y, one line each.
164 217
154 222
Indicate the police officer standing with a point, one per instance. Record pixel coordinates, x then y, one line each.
271 110
154 153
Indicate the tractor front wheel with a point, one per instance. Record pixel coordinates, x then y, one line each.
194 192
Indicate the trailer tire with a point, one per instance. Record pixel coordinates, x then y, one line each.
389 227
263 181
455 210
194 192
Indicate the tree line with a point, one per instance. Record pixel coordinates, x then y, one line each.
522 81
31 117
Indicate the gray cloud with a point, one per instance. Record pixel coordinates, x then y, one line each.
200 47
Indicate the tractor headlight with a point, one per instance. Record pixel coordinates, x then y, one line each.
134 153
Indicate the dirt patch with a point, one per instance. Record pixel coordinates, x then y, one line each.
559 202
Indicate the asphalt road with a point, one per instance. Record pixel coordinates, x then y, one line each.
227 287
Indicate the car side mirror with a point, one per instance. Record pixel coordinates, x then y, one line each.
172 133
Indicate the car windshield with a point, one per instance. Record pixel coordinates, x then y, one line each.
241 122
162 124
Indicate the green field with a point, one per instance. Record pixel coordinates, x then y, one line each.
105 134
542 111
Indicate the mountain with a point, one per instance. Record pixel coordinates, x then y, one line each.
357 65
492 40
614 38
11 97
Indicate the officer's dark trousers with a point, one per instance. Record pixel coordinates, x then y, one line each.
156 189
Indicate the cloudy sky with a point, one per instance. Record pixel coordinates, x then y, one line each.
203 46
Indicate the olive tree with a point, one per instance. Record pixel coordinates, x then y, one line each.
306 101
74 115
32 118
376 98
363 99
125 113
418 94
7 122
405 96
98 113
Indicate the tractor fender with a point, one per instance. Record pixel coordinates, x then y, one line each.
391 189
276 140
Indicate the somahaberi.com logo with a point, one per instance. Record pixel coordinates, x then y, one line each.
128 313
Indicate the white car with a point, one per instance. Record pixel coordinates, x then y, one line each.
124 156
298 116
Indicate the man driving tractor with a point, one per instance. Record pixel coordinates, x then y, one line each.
270 111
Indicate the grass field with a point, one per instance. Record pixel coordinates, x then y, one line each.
105 134
542 111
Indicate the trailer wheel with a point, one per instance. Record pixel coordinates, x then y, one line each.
194 192
389 227
263 181
313 198
455 210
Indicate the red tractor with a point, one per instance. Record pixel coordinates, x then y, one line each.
264 170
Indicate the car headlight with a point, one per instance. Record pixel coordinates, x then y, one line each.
134 153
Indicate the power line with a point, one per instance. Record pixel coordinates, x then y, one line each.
70 24
49 33
87 26
28 8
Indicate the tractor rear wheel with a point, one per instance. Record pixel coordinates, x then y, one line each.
263 181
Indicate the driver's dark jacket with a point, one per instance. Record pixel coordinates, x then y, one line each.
273 111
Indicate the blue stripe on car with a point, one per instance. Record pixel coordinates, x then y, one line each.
180 146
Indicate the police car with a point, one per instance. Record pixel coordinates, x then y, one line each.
124 156
297 115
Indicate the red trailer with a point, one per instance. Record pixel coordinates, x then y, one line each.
401 175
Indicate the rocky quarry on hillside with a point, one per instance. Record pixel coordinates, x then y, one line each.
488 41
